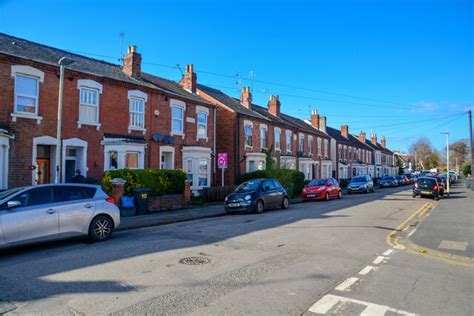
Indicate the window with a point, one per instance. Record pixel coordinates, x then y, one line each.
248 135
89 106
326 148
288 141
189 170
26 94
131 160
72 193
310 144
350 153
113 159
177 115
37 196
301 143
319 147
137 113
339 148
277 138
251 165
202 124
263 136
203 172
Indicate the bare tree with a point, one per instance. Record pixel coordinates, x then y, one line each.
423 152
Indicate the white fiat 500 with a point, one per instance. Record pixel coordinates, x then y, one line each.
56 211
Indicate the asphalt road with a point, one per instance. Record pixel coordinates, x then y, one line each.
313 257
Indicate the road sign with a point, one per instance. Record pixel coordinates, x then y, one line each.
222 160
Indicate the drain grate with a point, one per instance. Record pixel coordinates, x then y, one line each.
195 261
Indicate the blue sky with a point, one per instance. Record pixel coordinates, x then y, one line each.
403 69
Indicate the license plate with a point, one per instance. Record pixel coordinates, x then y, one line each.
310 195
234 204
425 192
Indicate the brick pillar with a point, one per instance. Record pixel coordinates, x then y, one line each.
117 190
187 192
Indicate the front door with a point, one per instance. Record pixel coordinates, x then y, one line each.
36 219
70 169
43 171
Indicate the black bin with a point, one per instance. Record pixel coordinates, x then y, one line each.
142 198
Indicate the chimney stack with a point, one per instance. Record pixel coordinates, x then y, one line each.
315 119
374 139
322 123
362 136
189 80
246 97
132 62
345 130
274 105
383 142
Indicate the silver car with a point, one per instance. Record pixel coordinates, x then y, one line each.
56 211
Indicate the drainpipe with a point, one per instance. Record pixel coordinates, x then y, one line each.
214 141
237 151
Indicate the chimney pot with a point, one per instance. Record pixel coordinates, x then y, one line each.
345 130
315 120
189 80
274 105
246 97
132 62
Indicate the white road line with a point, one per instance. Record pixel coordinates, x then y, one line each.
399 247
411 233
366 270
344 286
388 252
379 259
329 301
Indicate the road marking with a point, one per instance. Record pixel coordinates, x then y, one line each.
389 237
399 247
366 270
379 259
344 286
411 233
327 302
453 245
388 252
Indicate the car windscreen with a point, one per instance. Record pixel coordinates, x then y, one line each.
248 186
426 181
359 179
387 178
318 182
7 193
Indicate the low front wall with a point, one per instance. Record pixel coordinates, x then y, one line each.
167 202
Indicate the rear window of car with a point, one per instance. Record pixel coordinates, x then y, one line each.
359 179
426 181
72 193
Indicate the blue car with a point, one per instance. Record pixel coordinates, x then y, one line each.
256 196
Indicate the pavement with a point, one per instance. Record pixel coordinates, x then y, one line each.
313 258
449 228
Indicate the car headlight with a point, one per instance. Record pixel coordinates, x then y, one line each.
321 188
247 197
226 198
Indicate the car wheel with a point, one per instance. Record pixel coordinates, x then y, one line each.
101 228
339 194
327 196
373 189
367 190
413 195
260 206
436 198
285 203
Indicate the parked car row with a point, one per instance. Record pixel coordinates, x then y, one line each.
433 185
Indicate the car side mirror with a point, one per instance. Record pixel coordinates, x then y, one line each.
13 204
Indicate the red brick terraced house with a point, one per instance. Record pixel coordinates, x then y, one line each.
245 130
383 159
113 117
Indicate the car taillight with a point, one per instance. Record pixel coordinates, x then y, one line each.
416 185
110 200
435 187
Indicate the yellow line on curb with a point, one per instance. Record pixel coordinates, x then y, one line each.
388 239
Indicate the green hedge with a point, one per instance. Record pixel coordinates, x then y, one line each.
159 181
291 180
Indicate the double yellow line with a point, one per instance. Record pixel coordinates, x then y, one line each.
404 225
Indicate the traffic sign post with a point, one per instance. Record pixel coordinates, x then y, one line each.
222 164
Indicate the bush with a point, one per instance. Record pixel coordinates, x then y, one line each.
159 181
291 180
466 169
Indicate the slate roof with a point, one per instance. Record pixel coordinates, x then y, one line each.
231 102
353 140
22 48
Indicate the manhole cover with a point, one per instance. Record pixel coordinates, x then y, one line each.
195 260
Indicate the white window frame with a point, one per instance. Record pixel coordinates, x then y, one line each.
182 106
301 143
263 127
326 148
288 140
320 145
277 140
91 85
196 154
205 111
310 144
32 73
248 124
137 95
122 149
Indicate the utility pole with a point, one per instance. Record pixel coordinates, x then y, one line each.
472 148
447 160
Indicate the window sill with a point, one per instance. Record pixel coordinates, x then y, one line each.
177 134
36 117
202 137
248 147
97 125
137 129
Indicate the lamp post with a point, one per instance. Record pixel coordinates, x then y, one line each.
447 159
63 62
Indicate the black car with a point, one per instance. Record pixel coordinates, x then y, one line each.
257 195
363 183
388 181
426 186
400 180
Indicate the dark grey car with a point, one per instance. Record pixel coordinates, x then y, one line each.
363 183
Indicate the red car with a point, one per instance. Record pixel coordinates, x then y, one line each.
321 189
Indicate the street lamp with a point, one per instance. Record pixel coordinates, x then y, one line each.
63 62
447 159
